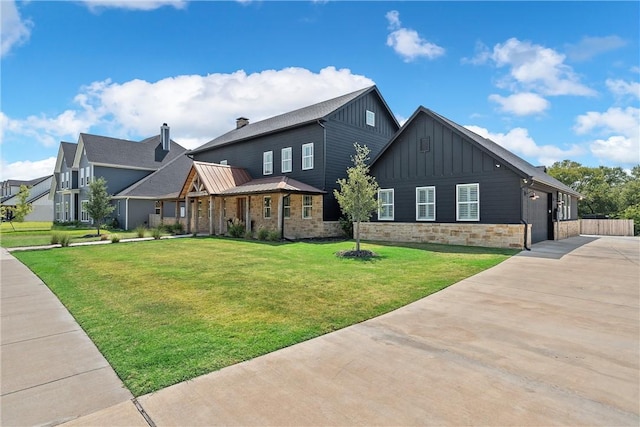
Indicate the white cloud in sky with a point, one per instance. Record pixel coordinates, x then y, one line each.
198 108
25 170
407 42
620 129
518 141
521 104
14 31
133 4
589 47
623 88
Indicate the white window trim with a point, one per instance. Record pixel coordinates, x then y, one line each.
83 211
370 118
266 208
304 146
477 202
288 159
286 208
267 166
310 206
392 192
87 175
81 177
418 204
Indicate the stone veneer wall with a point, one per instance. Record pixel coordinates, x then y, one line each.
488 235
566 229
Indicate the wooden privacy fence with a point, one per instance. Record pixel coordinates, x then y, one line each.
607 227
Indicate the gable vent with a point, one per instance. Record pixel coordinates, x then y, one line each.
166 139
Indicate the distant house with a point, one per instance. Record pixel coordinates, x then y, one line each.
122 163
38 191
440 182
280 173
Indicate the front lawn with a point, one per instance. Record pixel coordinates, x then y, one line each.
169 310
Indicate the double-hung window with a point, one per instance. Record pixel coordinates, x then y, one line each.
84 214
468 202
307 156
426 203
87 175
267 206
81 177
287 161
307 206
267 163
286 205
370 118
385 204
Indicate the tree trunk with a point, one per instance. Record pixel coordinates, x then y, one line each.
98 225
358 236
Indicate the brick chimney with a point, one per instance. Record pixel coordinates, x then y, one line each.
241 122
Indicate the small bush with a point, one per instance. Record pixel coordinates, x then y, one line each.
263 234
346 225
236 228
273 236
65 240
177 228
156 233
115 238
104 237
141 230
55 238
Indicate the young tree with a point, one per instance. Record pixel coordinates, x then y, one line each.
99 205
357 195
22 208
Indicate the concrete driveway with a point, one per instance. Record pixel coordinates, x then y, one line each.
549 337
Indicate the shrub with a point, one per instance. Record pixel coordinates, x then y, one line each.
347 226
273 236
115 238
263 234
65 240
55 238
104 237
141 231
177 228
236 228
156 232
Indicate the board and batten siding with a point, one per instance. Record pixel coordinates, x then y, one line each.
118 178
450 159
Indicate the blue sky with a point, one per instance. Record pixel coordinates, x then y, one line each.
547 80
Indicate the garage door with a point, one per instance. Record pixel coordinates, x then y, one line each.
539 217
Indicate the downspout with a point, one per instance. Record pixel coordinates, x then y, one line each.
525 191
126 213
324 155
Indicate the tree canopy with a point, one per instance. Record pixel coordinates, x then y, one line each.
22 208
99 201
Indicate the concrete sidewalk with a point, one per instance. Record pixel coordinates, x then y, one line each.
51 372
548 337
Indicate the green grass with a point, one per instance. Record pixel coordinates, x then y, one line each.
39 234
166 311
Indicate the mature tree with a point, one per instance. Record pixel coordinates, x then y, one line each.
22 208
357 195
99 205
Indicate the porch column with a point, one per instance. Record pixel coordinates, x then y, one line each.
186 215
280 212
211 210
162 211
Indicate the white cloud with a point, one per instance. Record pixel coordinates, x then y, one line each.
198 108
133 4
407 42
27 169
521 104
482 55
623 88
537 68
589 47
520 142
621 127
14 31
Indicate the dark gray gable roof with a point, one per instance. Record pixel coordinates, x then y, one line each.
291 119
68 152
517 164
146 154
165 183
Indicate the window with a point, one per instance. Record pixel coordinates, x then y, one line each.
84 214
307 156
158 208
267 206
385 200
224 162
183 211
81 177
87 174
267 163
568 207
66 211
425 203
287 161
371 118
468 206
307 206
286 205
57 211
